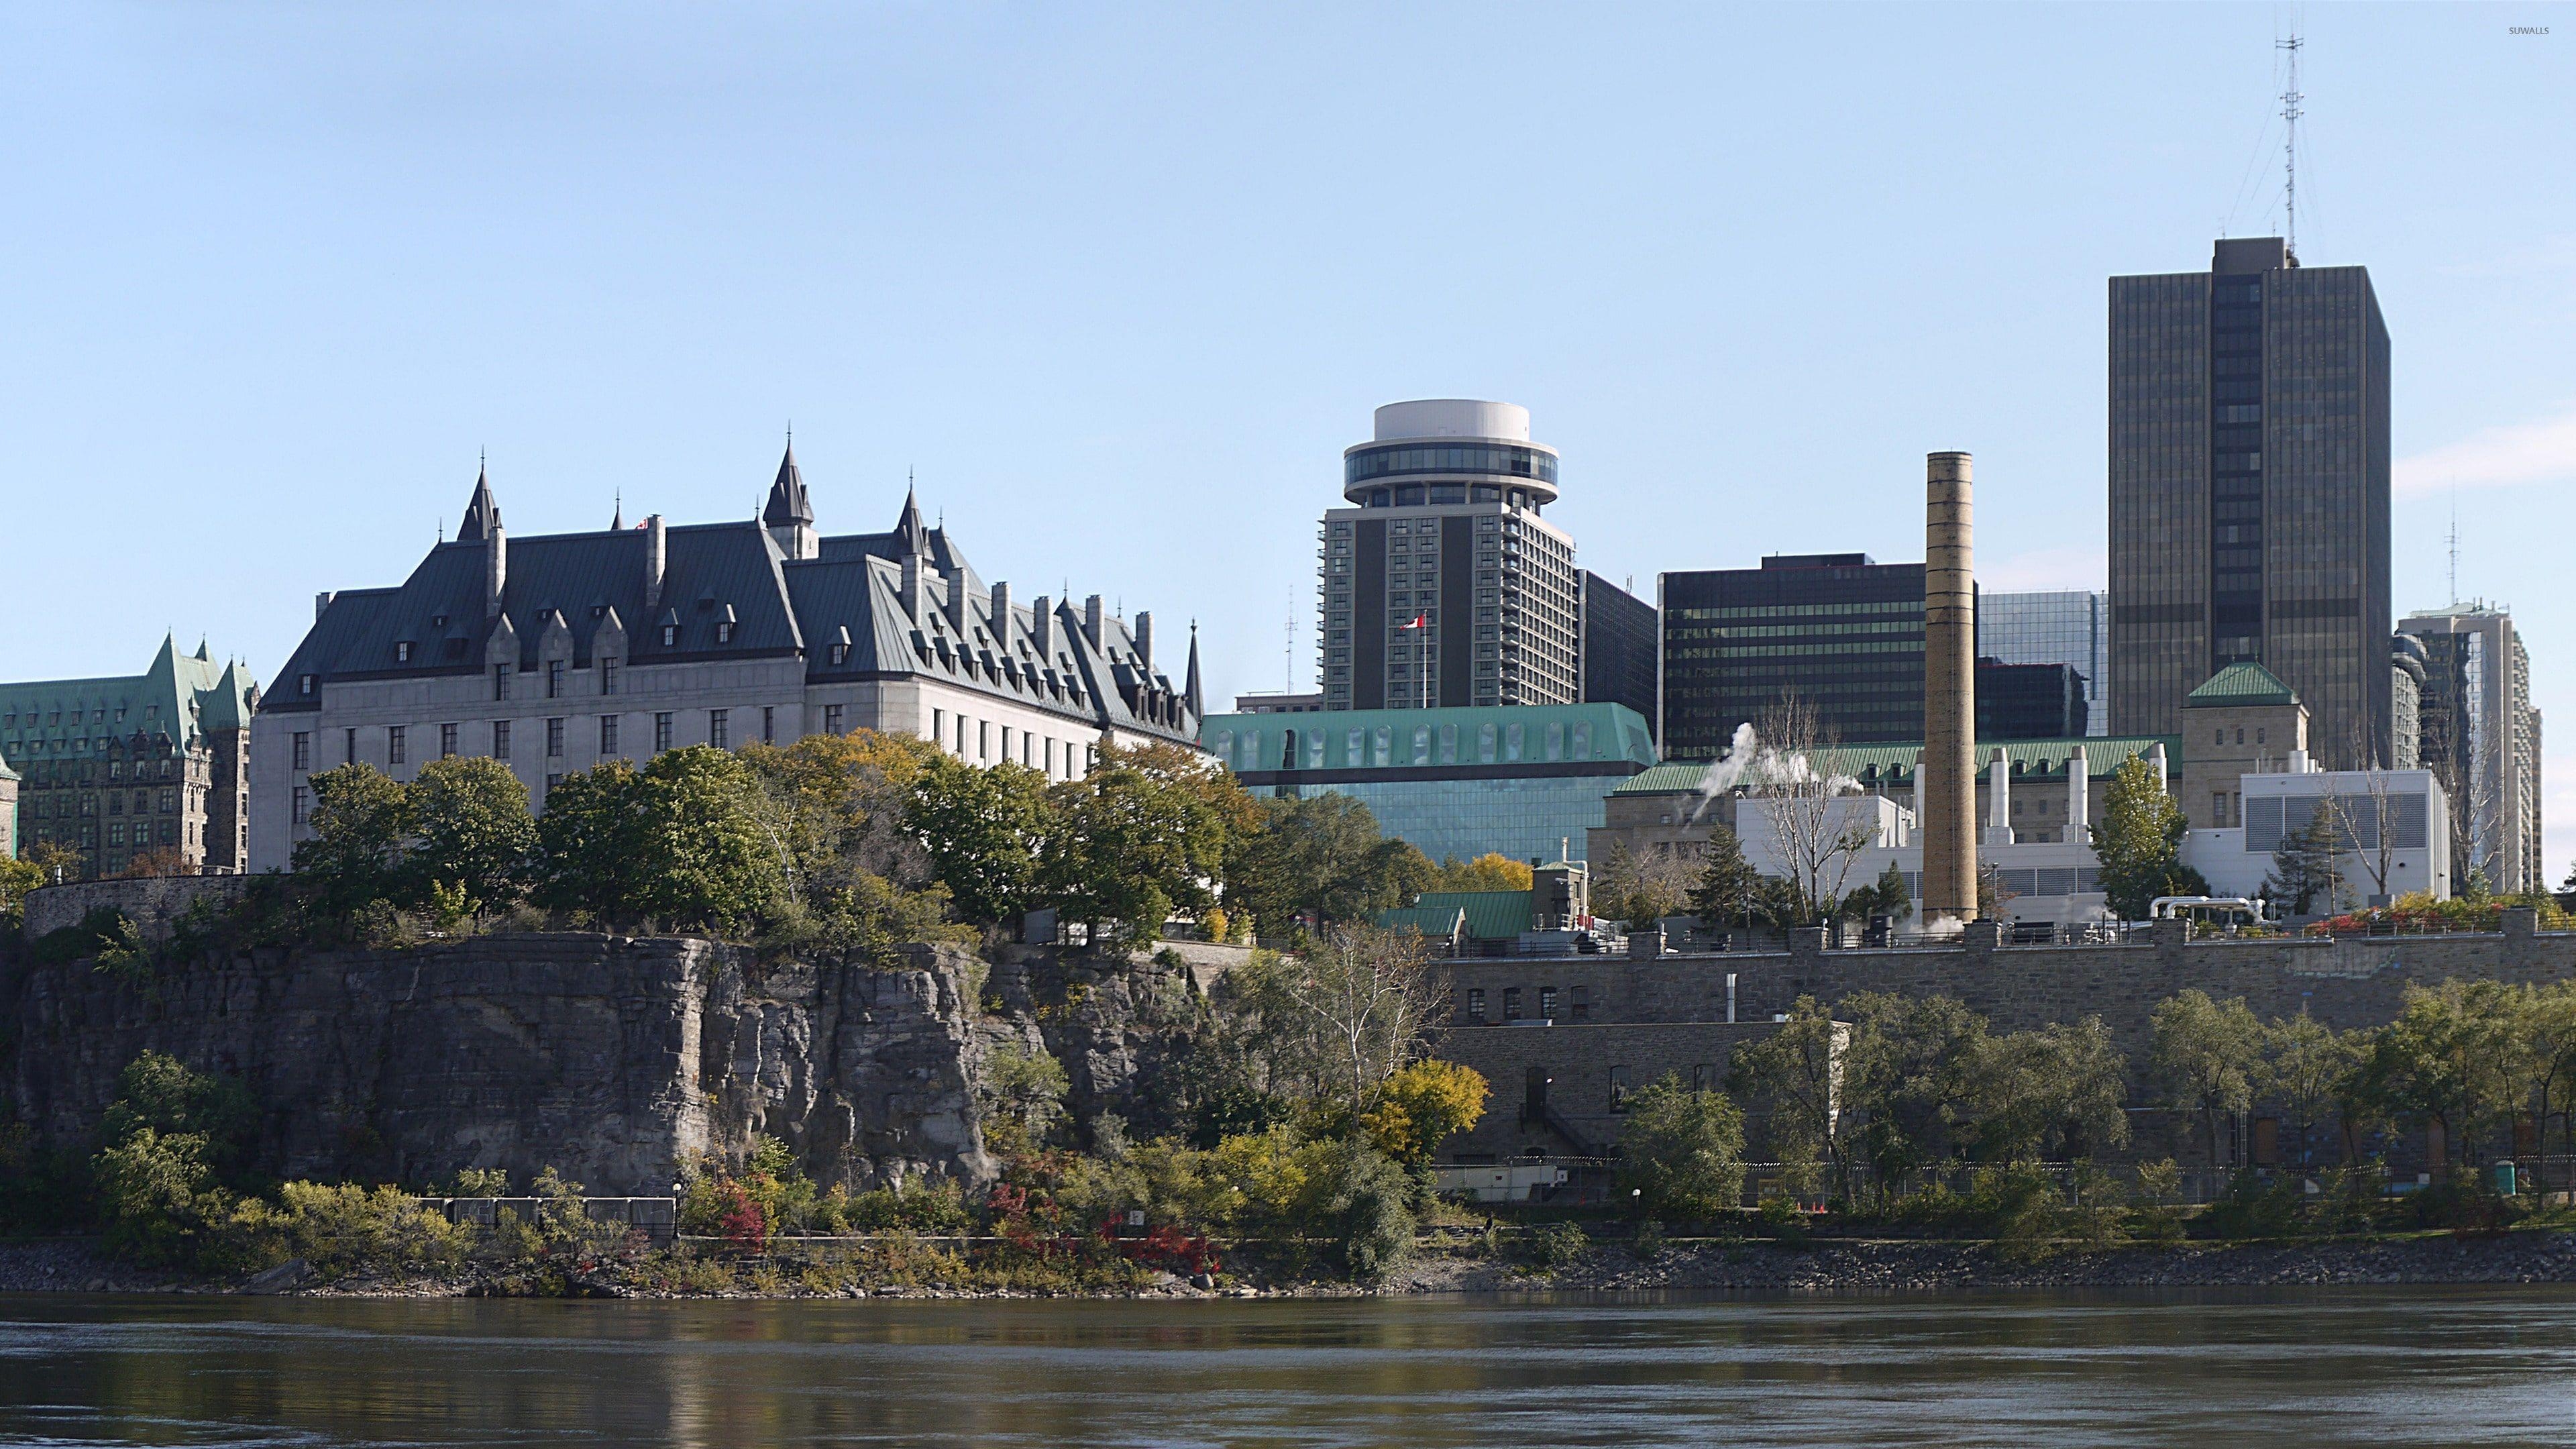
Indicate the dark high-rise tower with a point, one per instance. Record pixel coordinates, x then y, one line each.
2249 491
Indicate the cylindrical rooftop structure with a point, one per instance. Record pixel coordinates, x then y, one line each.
1948 783
1452 443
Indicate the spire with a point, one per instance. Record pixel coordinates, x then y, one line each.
617 520
482 514
787 503
1190 688
907 526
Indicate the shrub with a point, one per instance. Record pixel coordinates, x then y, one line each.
1554 1247
1362 1205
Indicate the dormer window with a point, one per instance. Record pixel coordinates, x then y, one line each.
840 654
670 635
724 632
304 683
438 621
402 651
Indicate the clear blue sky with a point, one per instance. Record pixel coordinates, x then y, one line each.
1120 283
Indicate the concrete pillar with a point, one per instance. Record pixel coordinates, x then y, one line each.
1946 783
657 554
496 568
1999 799
2079 797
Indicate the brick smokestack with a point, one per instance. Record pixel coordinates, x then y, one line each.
1949 773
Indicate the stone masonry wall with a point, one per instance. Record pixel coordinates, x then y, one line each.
151 902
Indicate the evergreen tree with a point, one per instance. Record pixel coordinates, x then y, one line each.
1730 891
2304 879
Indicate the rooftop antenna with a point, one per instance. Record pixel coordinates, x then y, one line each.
2455 548
2290 114
1288 673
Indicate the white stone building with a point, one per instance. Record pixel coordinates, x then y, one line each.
556 652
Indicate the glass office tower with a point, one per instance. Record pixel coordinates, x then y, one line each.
1837 629
2249 491
2057 626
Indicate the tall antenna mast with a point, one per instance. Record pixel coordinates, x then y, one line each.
2455 549
2290 114
1288 677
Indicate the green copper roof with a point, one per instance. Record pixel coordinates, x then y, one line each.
1486 735
1893 765
179 697
1491 915
2241 684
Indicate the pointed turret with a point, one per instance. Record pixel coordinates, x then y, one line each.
907 525
202 652
1190 688
482 513
617 520
789 515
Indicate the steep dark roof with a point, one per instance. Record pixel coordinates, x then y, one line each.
482 511
787 501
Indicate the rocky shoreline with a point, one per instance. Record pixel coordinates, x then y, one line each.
1858 1267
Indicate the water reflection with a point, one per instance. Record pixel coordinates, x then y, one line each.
2395 1366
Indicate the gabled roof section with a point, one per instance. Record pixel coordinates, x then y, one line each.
170 699
1490 915
2241 684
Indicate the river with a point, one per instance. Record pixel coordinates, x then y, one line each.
2392 1366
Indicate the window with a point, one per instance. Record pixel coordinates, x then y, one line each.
446 741
938 725
670 635
500 739
554 738
1704 1077
500 681
1581 1006
394 745
608 734
553 780
768 725
1547 1002
983 739
661 732
608 676
303 751
2240 734
301 796
832 719
1475 1003
1618 1089
1511 1003
169 801
303 685
1006 742
840 653
349 748
402 651
720 728
554 678
2218 808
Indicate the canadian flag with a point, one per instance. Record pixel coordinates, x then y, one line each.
1420 621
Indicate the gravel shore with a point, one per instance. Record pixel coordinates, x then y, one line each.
1858 1267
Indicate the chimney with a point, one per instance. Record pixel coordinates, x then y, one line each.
1042 627
1999 800
1002 617
322 603
1091 620
2079 797
1145 641
2156 762
912 586
656 557
957 604
496 568
1947 781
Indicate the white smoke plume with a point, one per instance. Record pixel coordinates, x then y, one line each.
1751 764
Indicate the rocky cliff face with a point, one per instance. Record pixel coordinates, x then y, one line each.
609 1058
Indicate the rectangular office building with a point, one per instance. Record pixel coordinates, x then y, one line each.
2055 626
2249 491
1619 644
1841 631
